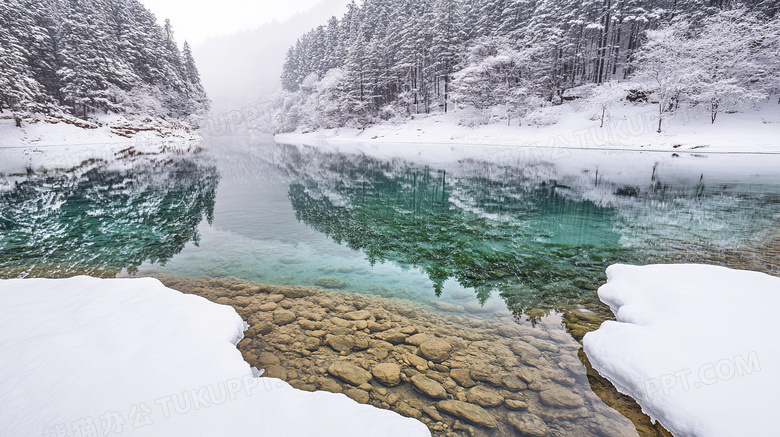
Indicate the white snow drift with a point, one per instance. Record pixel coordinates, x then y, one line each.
695 345
85 356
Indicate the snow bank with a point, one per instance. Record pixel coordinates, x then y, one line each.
576 125
85 356
695 345
43 131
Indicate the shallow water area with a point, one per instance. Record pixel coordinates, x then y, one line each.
497 251
459 374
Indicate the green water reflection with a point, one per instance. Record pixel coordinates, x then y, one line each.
521 238
103 217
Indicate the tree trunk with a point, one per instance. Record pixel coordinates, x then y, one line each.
446 89
18 120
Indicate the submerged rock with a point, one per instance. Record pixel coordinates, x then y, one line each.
358 395
528 424
436 349
391 336
462 377
408 411
268 306
418 339
349 372
377 327
513 383
487 373
357 315
560 397
525 351
429 387
416 361
340 343
295 292
484 396
327 384
284 317
469 412
514 404
328 282
387 373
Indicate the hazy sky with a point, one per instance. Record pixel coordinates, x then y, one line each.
196 20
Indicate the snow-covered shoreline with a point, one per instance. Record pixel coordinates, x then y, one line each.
47 131
576 125
86 356
693 345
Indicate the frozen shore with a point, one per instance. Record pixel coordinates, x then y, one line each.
47 131
577 125
694 345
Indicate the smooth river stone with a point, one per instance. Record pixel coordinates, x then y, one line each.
387 373
436 349
528 424
513 383
418 339
463 377
392 336
514 404
560 397
378 327
429 387
327 384
349 372
469 412
358 395
340 343
357 315
484 396
416 360
284 317
525 351
268 306
488 373
295 292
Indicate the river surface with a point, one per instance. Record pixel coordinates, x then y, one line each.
511 229
490 232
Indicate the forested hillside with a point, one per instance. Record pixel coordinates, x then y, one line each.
88 57
391 58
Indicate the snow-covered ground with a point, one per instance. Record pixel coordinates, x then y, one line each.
64 144
577 124
44 131
86 357
695 345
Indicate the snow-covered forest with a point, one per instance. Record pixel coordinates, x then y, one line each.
86 57
387 59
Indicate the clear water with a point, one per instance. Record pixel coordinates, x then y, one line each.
493 227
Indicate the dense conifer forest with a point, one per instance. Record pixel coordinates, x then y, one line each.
86 57
390 58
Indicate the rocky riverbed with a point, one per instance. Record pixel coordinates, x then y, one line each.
460 374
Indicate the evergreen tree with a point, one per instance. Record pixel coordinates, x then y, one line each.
88 56
403 56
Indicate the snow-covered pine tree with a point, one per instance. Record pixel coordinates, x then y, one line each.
403 54
88 56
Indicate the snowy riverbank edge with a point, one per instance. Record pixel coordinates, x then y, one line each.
693 345
86 356
627 127
62 130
